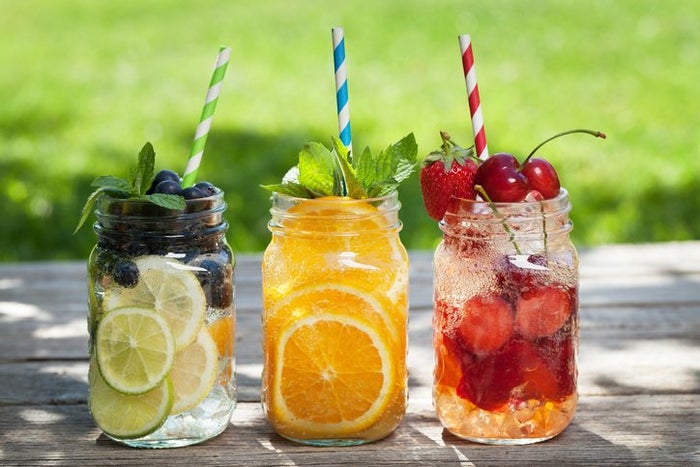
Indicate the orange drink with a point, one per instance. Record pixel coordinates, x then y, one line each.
335 280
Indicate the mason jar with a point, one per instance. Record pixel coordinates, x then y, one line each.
334 322
506 321
161 322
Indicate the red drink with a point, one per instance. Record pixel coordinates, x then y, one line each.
506 321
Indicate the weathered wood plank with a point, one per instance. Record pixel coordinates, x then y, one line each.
639 382
651 430
622 351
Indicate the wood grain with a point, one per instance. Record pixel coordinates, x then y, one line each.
639 383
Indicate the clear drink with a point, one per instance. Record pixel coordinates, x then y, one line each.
506 321
335 279
161 291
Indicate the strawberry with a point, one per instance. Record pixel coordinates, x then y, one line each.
446 174
487 323
541 311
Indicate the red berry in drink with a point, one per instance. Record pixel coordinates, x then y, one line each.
541 311
487 323
541 177
559 353
501 180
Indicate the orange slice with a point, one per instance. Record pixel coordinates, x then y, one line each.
336 299
323 388
340 240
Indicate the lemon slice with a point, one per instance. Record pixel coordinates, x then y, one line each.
128 416
135 349
194 372
320 387
168 286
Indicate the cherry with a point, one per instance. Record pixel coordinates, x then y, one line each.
500 178
503 179
541 177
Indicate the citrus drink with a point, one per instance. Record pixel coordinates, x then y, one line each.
335 279
161 322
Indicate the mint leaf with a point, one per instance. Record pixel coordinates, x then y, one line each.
143 175
382 174
168 201
335 172
290 189
89 205
114 183
317 170
352 186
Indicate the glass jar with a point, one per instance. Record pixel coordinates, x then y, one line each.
335 308
506 321
161 322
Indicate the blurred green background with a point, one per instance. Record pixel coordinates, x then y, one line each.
83 84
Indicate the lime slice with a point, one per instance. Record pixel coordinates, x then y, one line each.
194 372
168 286
125 416
135 349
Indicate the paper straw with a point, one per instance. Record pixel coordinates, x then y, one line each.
465 44
341 87
200 136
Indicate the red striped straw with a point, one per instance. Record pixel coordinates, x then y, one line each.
465 44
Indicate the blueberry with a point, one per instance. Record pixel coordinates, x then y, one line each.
162 176
170 187
207 188
126 274
217 283
193 192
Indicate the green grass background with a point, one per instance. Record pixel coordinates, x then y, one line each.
84 83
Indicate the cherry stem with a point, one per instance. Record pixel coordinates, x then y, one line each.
479 189
597 134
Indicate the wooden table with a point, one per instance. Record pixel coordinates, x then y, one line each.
639 374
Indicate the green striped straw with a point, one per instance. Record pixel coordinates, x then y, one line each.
200 136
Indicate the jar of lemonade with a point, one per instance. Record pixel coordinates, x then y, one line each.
161 322
335 280
506 320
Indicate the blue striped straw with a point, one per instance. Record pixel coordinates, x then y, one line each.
341 87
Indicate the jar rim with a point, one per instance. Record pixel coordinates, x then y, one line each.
108 206
338 199
561 198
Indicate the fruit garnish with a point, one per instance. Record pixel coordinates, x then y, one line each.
351 389
487 323
500 177
194 372
497 179
135 349
446 174
541 311
128 416
168 287
333 172
138 186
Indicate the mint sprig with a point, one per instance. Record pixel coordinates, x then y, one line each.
333 172
140 179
